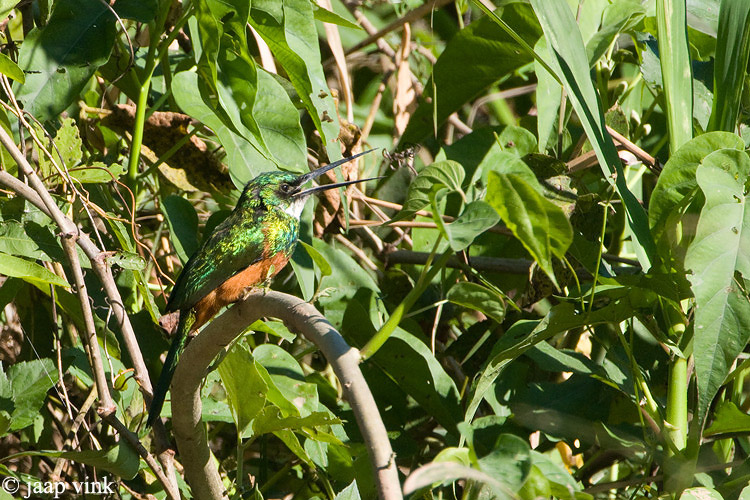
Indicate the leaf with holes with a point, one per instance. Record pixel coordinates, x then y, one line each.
436 180
721 248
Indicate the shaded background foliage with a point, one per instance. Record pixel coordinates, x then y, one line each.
557 306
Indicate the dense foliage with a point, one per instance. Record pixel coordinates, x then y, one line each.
556 307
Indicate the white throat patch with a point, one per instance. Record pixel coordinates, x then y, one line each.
295 208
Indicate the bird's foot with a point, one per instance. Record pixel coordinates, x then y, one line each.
246 292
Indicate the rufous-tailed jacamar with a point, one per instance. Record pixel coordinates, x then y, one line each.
249 247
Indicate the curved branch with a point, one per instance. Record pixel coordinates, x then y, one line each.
301 317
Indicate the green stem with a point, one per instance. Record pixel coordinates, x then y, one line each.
377 341
240 463
145 86
138 126
677 390
678 465
677 403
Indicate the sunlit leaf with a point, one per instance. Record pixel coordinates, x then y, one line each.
720 248
538 223
30 271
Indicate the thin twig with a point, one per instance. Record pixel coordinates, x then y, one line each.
371 30
489 264
362 256
410 16
79 419
107 406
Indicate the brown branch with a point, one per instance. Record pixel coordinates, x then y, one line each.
489 264
371 30
299 316
410 16
107 406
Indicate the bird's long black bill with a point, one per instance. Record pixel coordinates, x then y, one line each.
326 187
320 171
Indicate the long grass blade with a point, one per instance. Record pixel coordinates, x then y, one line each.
677 75
732 53
570 64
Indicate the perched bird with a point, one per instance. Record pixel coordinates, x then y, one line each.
249 247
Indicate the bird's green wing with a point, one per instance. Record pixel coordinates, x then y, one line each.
232 247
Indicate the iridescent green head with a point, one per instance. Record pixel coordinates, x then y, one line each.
285 191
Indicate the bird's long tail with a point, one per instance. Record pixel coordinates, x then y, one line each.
187 319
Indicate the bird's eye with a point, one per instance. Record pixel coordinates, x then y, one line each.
285 188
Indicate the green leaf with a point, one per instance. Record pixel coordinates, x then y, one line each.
509 461
570 63
317 257
120 460
478 297
351 492
245 386
525 334
29 271
291 35
5 421
616 18
476 218
549 95
183 223
302 263
24 388
271 420
413 367
287 387
701 493
279 123
326 16
6 6
345 282
728 419
721 247
473 60
434 180
437 473
290 439
275 328
29 239
677 179
561 481
68 145
59 59
11 69
98 172
143 11
730 64
550 359
127 260
676 70
259 108
539 224
243 159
